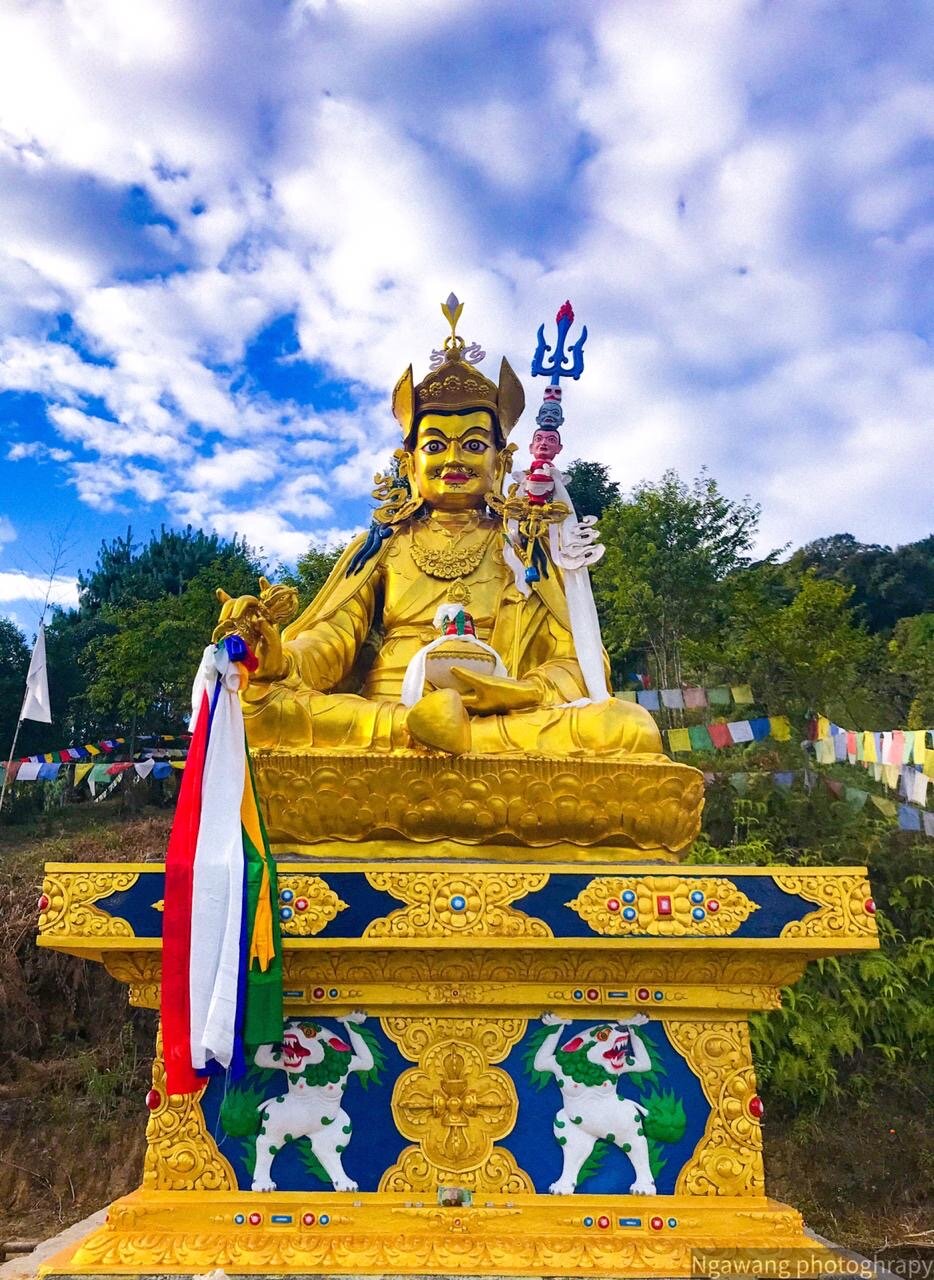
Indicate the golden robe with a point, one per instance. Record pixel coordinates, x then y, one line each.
306 708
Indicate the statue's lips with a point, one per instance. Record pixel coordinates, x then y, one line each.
456 477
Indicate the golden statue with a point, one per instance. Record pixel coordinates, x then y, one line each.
435 540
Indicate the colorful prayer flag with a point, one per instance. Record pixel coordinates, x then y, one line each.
909 819
780 728
700 738
673 699
720 735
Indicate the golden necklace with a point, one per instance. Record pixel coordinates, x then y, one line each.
451 562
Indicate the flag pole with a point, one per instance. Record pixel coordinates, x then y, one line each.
6 772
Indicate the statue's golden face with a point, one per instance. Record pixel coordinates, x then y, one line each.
455 459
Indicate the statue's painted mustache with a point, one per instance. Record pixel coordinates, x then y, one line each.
450 469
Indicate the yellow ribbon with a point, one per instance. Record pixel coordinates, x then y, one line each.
262 944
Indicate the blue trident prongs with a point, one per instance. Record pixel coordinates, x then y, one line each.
561 365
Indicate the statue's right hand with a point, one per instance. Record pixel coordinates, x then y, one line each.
248 617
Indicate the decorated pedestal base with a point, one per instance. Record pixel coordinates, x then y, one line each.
487 1067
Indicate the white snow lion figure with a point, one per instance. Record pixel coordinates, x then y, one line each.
318 1063
587 1068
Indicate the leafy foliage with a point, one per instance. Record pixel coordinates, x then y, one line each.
590 487
887 584
14 663
127 572
670 552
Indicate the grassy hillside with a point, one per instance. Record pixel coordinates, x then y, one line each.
74 1071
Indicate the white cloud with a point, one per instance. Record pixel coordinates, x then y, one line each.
16 586
731 194
7 531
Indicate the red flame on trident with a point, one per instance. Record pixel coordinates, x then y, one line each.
565 312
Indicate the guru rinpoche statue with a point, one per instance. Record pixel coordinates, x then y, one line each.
444 534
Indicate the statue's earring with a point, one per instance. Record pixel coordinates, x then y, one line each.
395 491
503 467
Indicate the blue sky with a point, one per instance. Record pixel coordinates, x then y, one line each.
225 229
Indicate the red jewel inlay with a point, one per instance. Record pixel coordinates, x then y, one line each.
301 904
612 904
593 994
713 905
43 903
153 1099
869 907
603 1222
756 1107
318 993
308 1219
255 1219
643 993
656 1224
663 905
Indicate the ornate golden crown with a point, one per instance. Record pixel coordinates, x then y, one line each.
457 387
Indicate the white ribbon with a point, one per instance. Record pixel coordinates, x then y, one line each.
217 878
574 547
413 682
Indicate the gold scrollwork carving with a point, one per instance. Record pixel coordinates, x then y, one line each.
413 1171
603 906
141 971
180 1153
728 1158
841 906
493 1037
71 896
444 904
314 904
412 1250
504 972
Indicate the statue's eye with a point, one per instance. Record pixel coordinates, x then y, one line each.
433 446
475 446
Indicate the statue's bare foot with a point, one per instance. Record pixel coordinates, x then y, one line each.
440 720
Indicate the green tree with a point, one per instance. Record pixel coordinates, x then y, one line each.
590 487
126 576
311 572
671 551
887 584
126 572
911 651
807 655
139 674
14 663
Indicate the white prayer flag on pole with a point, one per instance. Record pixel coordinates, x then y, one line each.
36 704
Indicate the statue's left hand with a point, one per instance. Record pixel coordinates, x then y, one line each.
492 695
